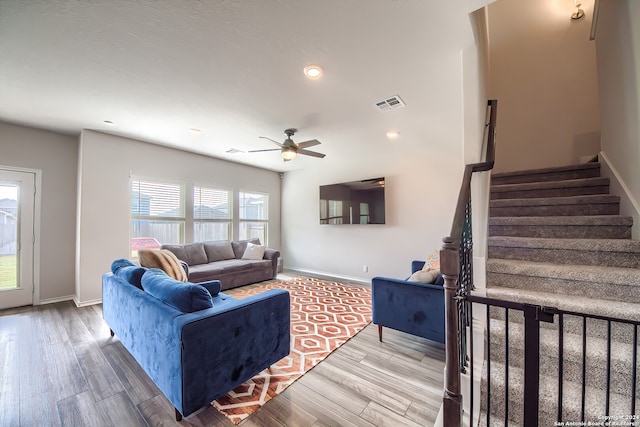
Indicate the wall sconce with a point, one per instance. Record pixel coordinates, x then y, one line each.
579 13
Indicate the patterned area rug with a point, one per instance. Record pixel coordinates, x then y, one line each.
324 315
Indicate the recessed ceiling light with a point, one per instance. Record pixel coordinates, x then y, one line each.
194 131
393 134
313 71
109 123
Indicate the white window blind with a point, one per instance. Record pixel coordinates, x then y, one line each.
211 214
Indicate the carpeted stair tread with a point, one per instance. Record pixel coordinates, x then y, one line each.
548 403
584 170
585 273
586 226
574 303
595 204
605 252
571 187
593 220
547 201
611 283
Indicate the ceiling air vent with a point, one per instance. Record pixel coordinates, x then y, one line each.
391 103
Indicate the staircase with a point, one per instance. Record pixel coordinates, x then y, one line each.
556 239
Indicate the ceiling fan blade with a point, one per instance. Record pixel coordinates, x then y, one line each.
272 140
310 153
258 151
307 144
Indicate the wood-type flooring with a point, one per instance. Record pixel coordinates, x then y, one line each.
60 367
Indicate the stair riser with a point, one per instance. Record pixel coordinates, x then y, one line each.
545 176
566 256
550 192
556 210
596 374
563 231
573 325
547 414
600 289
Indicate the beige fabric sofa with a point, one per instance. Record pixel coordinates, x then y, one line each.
223 260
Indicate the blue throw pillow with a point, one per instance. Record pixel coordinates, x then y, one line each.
128 271
213 286
186 297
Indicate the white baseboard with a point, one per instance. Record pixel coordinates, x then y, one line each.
329 276
86 303
628 204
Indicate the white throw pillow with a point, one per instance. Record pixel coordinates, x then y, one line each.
253 251
424 276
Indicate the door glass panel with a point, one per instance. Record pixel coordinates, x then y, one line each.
8 236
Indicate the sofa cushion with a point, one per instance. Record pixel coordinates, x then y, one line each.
185 297
192 254
254 252
164 260
128 271
218 250
239 246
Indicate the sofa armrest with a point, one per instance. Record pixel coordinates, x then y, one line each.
224 346
185 267
272 255
412 307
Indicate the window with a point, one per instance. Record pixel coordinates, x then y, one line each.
254 216
211 214
157 214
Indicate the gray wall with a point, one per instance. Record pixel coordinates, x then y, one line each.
543 73
56 155
104 203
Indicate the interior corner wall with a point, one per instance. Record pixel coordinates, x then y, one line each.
104 206
56 156
543 74
618 54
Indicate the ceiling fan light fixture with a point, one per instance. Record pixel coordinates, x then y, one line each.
289 153
313 71
393 134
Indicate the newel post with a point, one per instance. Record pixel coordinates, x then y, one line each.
451 400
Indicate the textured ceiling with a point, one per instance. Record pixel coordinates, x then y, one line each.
230 68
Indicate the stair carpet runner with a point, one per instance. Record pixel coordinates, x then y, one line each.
556 239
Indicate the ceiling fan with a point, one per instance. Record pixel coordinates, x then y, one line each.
290 149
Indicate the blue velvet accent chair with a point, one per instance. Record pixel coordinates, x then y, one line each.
194 342
411 307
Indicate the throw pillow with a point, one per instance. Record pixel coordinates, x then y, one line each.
186 297
164 260
424 276
433 260
128 271
253 251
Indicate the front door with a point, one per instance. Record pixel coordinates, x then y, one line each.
17 202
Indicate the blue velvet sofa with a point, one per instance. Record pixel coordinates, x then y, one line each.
411 307
195 342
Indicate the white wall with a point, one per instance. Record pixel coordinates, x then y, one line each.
543 73
422 182
475 74
56 156
618 53
105 165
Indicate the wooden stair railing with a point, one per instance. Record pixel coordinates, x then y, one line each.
456 261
